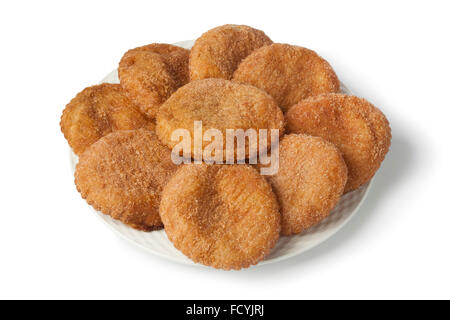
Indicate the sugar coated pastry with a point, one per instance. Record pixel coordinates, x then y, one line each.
123 174
151 73
309 183
97 111
218 52
355 126
288 73
223 216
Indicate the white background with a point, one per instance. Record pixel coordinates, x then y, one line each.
394 53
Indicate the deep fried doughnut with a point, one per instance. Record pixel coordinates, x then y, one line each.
97 111
223 216
309 183
355 126
123 175
218 52
288 73
220 104
150 74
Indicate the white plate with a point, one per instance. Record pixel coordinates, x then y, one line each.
156 242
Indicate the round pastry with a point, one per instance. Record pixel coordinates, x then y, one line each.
220 105
223 216
309 182
150 74
218 52
355 126
97 111
123 174
288 73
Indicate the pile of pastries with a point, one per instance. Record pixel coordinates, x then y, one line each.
226 216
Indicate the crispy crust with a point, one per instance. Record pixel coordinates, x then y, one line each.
288 73
309 182
123 174
97 111
355 126
218 52
150 74
219 104
223 216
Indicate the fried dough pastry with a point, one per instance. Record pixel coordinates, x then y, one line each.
355 126
309 183
150 74
97 111
123 174
220 104
223 216
288 73
218 52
